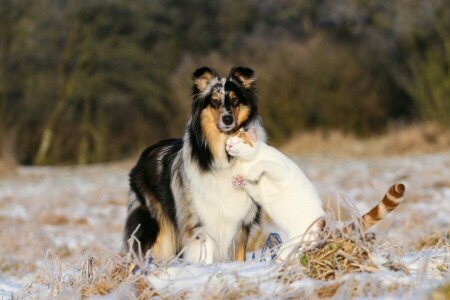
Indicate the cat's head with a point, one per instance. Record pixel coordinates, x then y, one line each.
243 144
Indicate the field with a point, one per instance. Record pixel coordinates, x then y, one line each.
61 231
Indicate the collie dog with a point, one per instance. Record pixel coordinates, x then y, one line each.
181 201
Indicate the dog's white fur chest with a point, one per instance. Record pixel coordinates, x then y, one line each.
221 208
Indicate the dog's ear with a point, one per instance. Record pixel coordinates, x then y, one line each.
201 78
245 76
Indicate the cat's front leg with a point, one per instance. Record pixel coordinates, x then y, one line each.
272 169
255 172
249 187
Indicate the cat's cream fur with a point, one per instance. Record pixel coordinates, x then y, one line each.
279 186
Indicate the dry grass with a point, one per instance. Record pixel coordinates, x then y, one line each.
335 255
96 276
117 275
399 140
337 251
340 265
8 161
59 220
338 255
435 240
441 293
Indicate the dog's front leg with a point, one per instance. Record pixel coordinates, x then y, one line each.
240 249
201 248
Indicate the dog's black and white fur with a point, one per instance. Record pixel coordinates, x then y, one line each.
180 192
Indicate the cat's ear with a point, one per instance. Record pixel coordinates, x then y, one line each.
252 134
201 78
245 76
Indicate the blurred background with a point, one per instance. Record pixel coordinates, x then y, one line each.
88 81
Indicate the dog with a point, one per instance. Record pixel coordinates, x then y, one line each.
181 201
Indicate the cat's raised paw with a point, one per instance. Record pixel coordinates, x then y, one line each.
238 180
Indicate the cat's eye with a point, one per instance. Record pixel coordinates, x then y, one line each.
215 103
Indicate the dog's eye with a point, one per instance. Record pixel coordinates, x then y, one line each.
215 103
235 102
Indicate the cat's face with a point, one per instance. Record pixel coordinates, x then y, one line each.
243 144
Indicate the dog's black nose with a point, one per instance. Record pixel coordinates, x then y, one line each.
227 120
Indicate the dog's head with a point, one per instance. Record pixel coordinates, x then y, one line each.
228 103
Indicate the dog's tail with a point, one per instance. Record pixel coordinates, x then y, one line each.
141 228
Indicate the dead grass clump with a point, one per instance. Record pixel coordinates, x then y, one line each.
63 251
435 240
327 290
241 290
52 219
95 277
441 293
16 267
340 250
105 283
118 275
60 220
337 255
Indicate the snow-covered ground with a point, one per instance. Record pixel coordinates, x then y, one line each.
51 219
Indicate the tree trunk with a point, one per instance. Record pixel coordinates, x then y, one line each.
83 149
48 129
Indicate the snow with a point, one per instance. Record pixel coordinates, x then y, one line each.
8 289
75 211
201 278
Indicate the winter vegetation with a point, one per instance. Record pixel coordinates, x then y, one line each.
356 92
62 232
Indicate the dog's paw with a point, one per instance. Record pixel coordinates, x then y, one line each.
238 180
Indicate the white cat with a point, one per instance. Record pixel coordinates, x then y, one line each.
279 186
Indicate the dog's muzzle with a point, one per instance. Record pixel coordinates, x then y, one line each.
227 123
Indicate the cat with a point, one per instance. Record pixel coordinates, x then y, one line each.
279 186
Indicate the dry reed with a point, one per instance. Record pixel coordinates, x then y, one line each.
398 140
435 240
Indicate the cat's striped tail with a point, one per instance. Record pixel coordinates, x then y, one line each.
392 198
